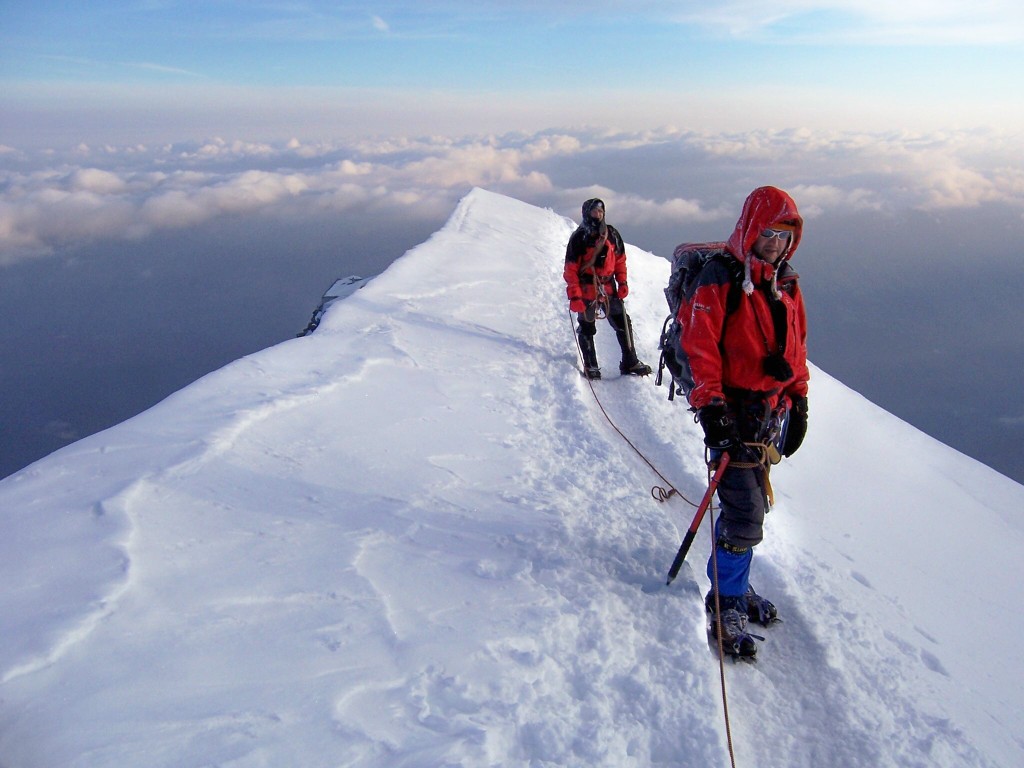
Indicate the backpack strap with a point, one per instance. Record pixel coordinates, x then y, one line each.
735 270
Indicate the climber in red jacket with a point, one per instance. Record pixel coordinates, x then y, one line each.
595 278
749 366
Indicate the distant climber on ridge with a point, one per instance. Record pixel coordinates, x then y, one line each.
595 278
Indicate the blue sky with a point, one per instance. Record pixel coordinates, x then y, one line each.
524 65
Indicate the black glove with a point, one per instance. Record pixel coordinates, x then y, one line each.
720 431
797 427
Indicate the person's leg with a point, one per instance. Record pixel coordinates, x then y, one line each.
623 326
739 528
585 334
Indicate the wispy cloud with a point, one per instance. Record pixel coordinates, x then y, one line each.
163 68
946 22
82 62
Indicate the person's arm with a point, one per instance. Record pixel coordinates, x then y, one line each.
702 334
796 429
619 248
571 274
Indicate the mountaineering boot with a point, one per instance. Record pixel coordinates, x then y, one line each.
630 363
736 641
636 368
760 610
590 367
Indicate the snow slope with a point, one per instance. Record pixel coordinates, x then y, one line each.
413 539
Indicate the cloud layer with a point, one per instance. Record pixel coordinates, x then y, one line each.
50 201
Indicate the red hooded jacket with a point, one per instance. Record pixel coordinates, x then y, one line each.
727 351
590 260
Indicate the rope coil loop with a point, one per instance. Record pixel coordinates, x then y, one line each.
759 451
661 495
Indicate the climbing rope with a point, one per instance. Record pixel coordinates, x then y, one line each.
662 494
659 493
762 455
718 633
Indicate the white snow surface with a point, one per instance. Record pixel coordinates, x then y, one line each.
412 538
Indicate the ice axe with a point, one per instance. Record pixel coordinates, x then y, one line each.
723 462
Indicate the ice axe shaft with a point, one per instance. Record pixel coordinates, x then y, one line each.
723 462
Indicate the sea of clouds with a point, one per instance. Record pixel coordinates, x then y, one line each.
52 200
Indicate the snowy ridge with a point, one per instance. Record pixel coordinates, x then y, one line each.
412 539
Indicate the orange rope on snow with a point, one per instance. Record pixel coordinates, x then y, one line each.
660 494
718 633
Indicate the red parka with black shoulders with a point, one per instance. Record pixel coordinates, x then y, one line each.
591 260
727 351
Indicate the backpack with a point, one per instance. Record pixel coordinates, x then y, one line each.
687 262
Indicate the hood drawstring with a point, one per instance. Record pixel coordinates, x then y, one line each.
748 283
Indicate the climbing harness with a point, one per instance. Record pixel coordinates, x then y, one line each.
764 452
760 454
600 304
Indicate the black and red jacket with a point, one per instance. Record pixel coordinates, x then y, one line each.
727 350
591 260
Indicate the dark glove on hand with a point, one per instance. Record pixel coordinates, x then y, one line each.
797 427
720 431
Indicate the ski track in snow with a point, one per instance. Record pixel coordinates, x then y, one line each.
556 641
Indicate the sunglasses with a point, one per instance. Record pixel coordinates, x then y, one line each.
782 234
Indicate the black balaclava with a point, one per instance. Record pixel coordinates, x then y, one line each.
588 223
